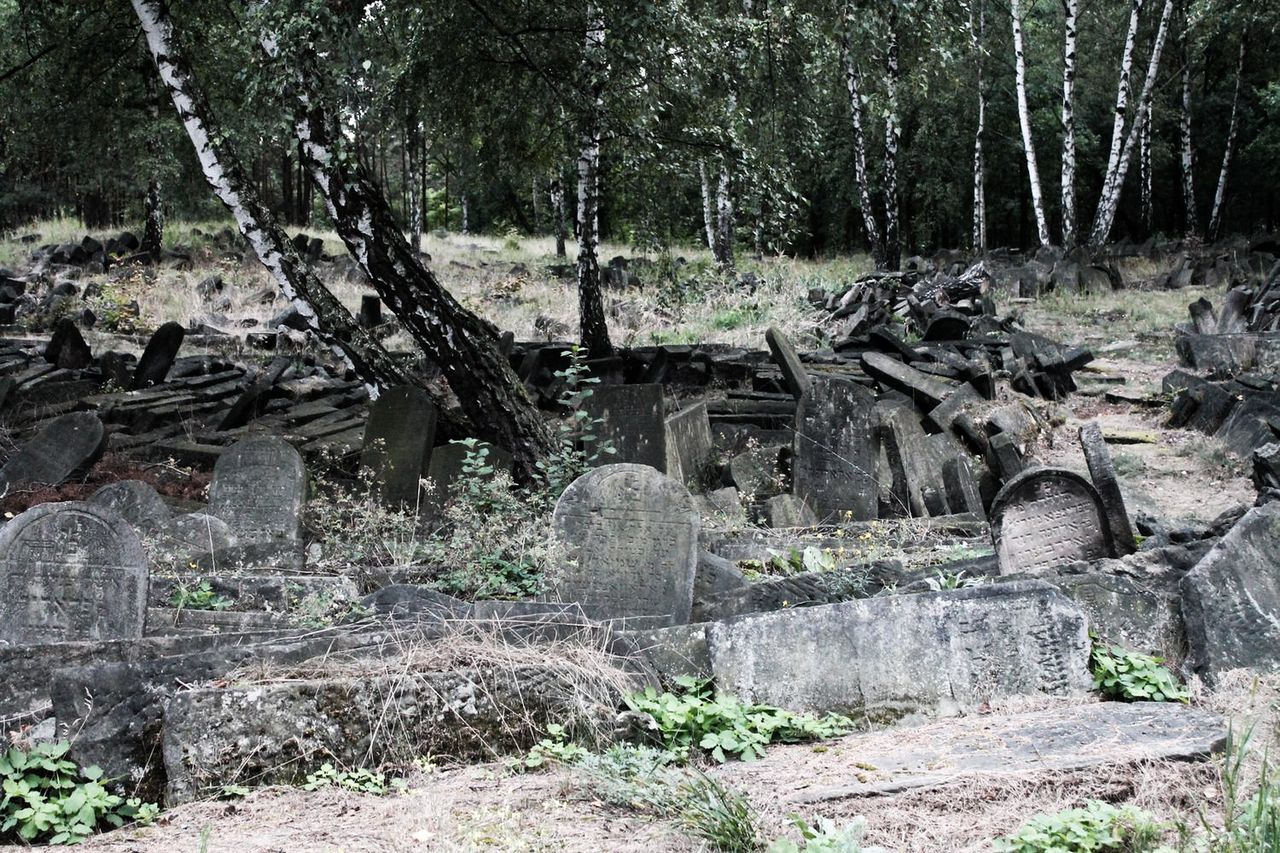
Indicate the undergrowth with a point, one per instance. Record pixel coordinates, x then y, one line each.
1133 677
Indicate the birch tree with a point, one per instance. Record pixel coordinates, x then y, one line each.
708 209
1233 130
892 130
1071 11
557 214
852 80
978 31
1024 121
1186 151
593 328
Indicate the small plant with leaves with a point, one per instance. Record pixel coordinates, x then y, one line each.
360 780
1131 676
198 596
577 446
1098 827
555 748
718 814
723 726
48 799
944 580
824 835
1250 821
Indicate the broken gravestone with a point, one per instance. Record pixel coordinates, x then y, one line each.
632 539
1231 599
689 445
784 354
258 488
398 438
135 502
634 420
71 571
1103 474
1045 518
158 357
941 652
67 444
837 450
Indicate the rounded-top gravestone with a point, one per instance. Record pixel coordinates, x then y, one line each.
1045 518
71 571
67 444
135 502
258 488
632 539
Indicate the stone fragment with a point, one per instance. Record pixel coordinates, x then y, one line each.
1103 474
1048 517
782 511
925 391
715 575
67 348
632 539
71 571
158 357
837 450
784 355
690 446
67 444
634 420
134 501
944 652
398 438
757 472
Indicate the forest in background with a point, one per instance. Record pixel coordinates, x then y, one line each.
795 126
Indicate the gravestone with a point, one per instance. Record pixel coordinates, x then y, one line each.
926 391
782 511
634 419
632 539
940 652
398 438
67 348
135 502
784 354
1231 599
259 487
445 468
159 355
689 444
71 571
961 487
1103 474
1045 518
837 449
185 537
67 444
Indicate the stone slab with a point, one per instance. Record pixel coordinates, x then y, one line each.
1048 517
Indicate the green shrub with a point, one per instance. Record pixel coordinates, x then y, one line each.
1096 828
555 748
724 726
359 780
48 799
1130 676
825 836
1250 818
718 815
198 597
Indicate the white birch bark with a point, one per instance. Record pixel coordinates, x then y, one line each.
852 84
708 211
1024 120
1233 129
1144 168
1186 158
724 219
977 29
1071 11
1120 112
593 327
413 137
892 130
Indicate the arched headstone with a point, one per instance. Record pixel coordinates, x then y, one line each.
258 488
632 539
135 502
837 449
1048 517
71 571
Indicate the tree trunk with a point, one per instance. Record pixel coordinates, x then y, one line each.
557 214
593 328
978 27
1071 10
153 228
1112 187
852 83
1187 158
1024 119
892 247
1233 129
724 220
288 209
708 209
1120 113
413 144
1144 168
325 315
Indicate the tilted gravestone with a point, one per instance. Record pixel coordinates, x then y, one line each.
1045 518
632 540
398 438
634 420
934 652
259 487
836 450
788 361
1231 599
1103 474
71 571
158 357
689 444
135 502
67 444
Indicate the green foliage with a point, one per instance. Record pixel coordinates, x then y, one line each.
198 597
725 727
824 835
577 446
356 530
1096 828
718 815
1250 814
555 748
360 780
48 799
1131 676
952 580
793 561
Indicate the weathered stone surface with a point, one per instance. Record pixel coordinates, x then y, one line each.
782 511
721 507
961 486
836 450
67 444
413 601
690 446
259 486
757 473
159 355
1144 616
925 391
939 652
398 438
178 541
801 590
715 575
1231 599
632 539
67 348
135 502
1103 474
784 354
71 571
680 650
1048 517
1221 355
634 420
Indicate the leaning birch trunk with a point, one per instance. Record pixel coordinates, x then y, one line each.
1187 153
1233 128
557 214
708 209
892 249
724 220
153 228
860 153
325 315
978 27
1024 119
1110 200
1071 9
1144 168
593 328
1120 112
413 137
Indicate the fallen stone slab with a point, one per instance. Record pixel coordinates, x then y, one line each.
953 751
66 444
885 658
